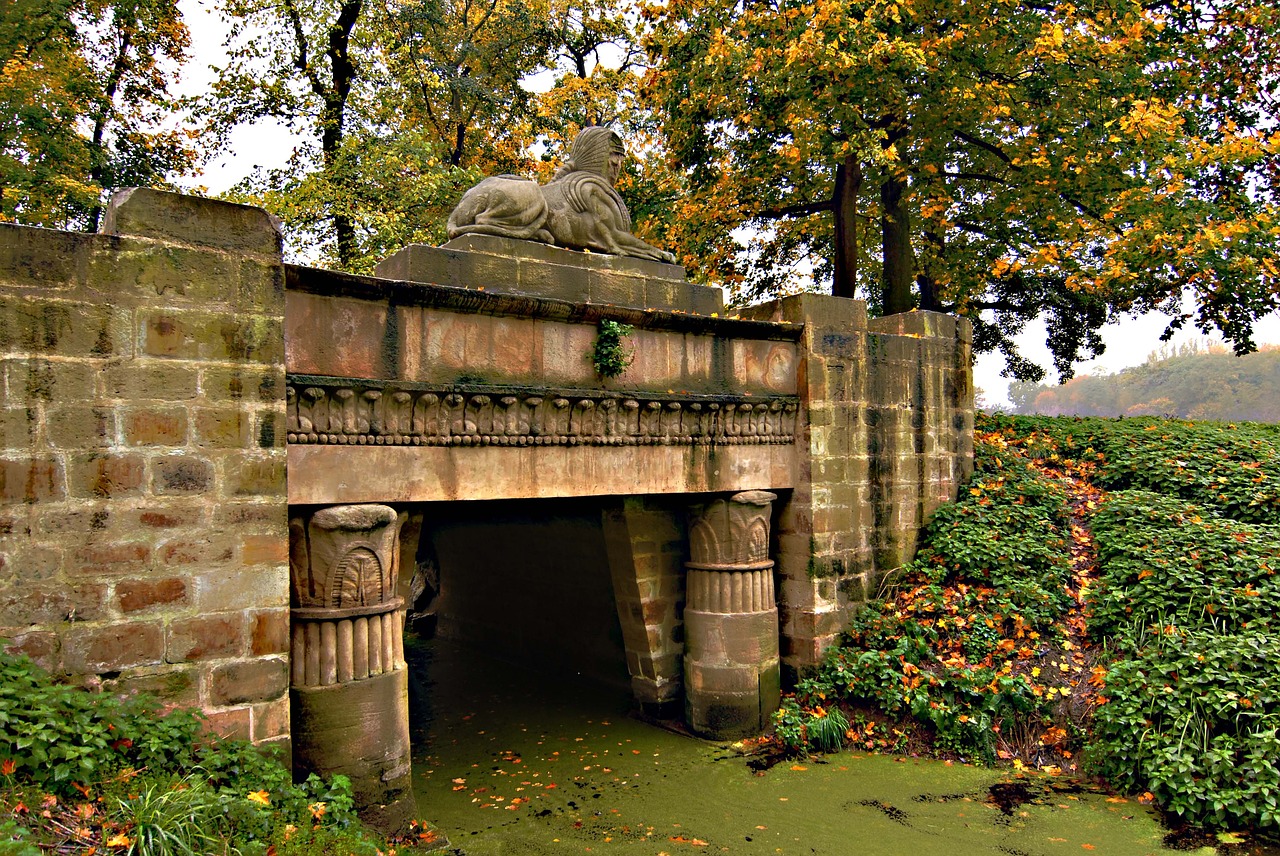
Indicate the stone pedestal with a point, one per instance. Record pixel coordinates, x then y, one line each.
349 688
731 667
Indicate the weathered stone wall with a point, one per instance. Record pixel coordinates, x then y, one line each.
143 526
885 437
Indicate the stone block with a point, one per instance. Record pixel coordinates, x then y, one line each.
31 480
253 515
269 429
136 381
192 220
535 251
205 637
262 679
242 383
264 549
222 427
260 285
52 604
79 427
174 685
19 428
181 475
152 272
63 328
206 548
195 335
620 289
31 563
137 595
270 720
256 587
111 559
43 258
113 648
42 646
155 426
245 476
561 282
168 516
32 380
269 632
232 724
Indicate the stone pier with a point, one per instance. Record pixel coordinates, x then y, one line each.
731 666
349 689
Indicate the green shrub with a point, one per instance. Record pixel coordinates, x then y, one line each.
170 787
60 735
1193 718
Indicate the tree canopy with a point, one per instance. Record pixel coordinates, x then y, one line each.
84 103
997 158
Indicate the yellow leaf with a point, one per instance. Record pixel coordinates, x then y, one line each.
259 797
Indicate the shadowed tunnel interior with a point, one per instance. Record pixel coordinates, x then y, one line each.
526 581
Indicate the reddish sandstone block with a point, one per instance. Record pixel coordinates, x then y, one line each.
270 720
170 517
117 558
270 633
31 480
205 638
42 646
233 724
264 549
155 427
212 548
136 595
248 681
112 648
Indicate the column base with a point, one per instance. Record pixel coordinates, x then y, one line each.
361 730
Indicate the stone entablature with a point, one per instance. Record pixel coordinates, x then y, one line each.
336 411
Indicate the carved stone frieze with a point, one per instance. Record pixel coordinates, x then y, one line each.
343 412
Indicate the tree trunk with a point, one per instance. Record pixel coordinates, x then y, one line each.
895 221
844 205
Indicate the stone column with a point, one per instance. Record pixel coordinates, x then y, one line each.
349 687
731 619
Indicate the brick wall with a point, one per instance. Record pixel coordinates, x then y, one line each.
142 485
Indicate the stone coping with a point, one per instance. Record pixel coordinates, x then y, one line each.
465 300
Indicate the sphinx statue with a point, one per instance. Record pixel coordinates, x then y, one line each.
578 209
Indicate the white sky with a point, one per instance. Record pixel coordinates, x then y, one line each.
269 144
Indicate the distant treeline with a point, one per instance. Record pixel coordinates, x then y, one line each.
1194 381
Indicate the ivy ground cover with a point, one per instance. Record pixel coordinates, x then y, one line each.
1100 601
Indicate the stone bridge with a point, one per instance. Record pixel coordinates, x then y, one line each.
230 480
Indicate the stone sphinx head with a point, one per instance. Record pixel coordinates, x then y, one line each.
596 150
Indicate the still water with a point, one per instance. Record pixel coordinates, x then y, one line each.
511 761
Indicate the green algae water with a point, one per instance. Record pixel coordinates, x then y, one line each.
509 761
